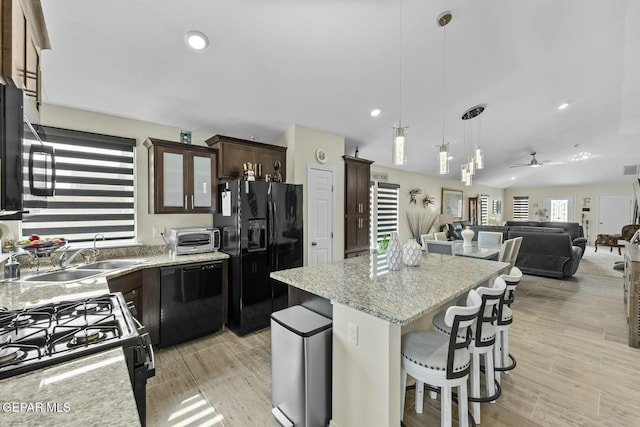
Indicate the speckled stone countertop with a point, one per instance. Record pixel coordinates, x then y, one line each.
396 296
18 294
85 382
633 251
90 391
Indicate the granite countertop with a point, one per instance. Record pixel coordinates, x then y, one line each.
18 294
92 390
396 296
634 251
81 383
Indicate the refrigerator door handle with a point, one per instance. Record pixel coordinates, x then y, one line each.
274 224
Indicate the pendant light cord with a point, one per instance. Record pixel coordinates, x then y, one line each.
444 76
400 119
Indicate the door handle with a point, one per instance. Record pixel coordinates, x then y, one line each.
314 243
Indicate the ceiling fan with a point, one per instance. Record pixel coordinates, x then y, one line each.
534 163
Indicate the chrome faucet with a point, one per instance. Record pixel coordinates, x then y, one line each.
65 261
96 252
95 240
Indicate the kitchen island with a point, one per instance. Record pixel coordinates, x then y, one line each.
372 308
89 390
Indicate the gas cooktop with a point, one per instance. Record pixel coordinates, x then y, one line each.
47 334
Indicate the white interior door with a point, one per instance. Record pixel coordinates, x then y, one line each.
321 206
560 208
614 211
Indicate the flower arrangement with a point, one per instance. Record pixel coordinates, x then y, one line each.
541 213
428 200
420 222
412 195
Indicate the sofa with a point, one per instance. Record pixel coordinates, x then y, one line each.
546 251
548 248
573 229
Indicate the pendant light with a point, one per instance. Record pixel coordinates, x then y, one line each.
443 160
399 152
476 158
399 145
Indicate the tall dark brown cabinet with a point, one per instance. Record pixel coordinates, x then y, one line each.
357 180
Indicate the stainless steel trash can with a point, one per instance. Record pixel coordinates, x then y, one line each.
301 367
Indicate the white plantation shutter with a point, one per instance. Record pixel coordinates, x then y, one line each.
521 207
95 187
385 212
484 209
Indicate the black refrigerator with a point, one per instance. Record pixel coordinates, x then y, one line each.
262 232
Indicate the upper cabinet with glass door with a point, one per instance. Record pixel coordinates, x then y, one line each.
182 177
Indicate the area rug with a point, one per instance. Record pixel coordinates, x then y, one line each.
600 263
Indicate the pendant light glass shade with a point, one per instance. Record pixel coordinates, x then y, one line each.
469 176
444 159
472 167
399 146
463 172
479 158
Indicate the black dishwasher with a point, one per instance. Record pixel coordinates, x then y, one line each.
191 303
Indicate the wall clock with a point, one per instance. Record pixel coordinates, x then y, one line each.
321 155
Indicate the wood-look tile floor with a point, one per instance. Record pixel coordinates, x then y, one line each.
569 338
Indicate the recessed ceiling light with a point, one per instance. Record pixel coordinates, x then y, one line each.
563 106
197 40
375 112
512 178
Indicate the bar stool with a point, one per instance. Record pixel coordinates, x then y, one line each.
484 338
505 315
440 360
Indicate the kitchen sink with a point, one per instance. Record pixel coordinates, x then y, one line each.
63 276
111 264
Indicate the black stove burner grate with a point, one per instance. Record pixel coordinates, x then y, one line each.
44 335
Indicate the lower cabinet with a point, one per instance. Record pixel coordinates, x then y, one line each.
632 293
142 288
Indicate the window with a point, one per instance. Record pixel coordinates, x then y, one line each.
521 207
560 208
484 209
385 210
94 187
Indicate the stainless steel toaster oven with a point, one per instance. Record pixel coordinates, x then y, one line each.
193 240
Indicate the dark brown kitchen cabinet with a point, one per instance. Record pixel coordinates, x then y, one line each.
356 201
233 152
182 177
23 35
142 289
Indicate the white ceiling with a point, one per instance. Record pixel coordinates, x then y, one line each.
326 64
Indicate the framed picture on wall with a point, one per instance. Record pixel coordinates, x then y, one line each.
451 203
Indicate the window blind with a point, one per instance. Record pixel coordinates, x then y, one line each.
385 209
521 207
95 187
484 209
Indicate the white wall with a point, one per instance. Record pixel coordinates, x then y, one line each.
536 198
433 186
302 143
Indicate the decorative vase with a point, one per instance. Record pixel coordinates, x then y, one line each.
394 253
411 253
467 236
